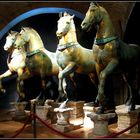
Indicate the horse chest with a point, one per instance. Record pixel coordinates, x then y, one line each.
63 58
102 54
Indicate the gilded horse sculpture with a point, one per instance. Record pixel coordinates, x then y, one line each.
39 61
15 60
71 56
109 51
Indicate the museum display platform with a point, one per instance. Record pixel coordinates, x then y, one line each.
10 128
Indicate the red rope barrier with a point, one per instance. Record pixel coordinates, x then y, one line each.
60 133
69 136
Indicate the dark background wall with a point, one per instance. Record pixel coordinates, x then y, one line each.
132 29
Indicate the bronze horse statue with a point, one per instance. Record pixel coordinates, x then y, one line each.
71 56
110 52
39 61
16 58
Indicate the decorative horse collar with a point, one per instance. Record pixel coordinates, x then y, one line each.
65 46
29 54
103 41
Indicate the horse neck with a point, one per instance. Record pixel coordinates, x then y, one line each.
35 42
18 51
105 28
70 36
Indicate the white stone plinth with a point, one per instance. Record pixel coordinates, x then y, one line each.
126 118
63 116
101 123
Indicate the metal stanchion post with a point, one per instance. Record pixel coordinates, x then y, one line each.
34 120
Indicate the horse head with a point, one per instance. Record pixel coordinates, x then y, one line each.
21 39
64 24
10 40
93 16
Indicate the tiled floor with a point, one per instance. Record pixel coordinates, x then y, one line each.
9 128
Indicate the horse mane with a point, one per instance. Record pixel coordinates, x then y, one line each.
30 29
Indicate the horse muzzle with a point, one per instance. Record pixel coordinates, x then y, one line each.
59 35
6 48
85 26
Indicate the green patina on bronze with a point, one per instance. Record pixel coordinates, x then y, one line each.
39 61
109 50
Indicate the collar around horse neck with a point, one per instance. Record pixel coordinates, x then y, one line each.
65 46
103 41
29 54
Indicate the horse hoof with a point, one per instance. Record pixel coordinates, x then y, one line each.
100 110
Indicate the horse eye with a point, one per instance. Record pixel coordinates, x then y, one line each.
92 10
68 22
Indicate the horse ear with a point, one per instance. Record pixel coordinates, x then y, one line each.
94 4
22 28
72 17
66 14
60 14
13 32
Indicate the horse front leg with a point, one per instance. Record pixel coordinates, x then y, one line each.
102 77
21 76
6 74
69 69
42 94
61 85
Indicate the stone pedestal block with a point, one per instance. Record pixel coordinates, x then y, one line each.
42 111
51 113
20 113
77 114
101 123
126 118
63 115
87 121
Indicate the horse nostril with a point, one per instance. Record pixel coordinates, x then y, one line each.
58 33
83 24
